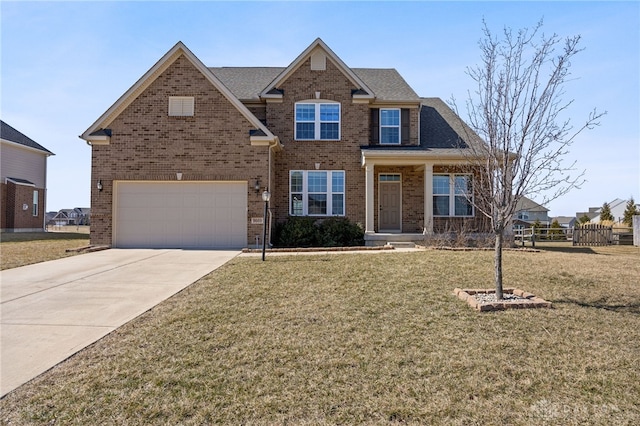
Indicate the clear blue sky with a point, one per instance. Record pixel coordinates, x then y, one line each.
65 63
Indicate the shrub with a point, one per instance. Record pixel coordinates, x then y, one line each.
310 232
340 232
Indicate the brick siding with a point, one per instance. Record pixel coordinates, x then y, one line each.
147 144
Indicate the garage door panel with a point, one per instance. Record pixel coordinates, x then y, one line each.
181 214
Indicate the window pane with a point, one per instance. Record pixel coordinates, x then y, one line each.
305 112
317 182
330 112
463 207
441 206
389 178
389 117
337 181
296 181
296 204
463 184
441 185
389 135
305 131
337 204
329 131
317 204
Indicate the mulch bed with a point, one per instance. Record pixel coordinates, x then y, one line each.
485 300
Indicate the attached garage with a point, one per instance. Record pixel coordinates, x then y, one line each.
180 214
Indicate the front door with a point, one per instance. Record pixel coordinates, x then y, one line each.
390 206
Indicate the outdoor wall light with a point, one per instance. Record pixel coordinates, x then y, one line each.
99 185
257 186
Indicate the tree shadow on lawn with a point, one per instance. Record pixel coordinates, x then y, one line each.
632 308
567 249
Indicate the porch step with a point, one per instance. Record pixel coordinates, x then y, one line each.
402 244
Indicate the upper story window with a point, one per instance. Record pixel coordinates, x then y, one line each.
452 195
181 106
389 126
317 121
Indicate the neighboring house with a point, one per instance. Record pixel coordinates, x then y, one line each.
23 181
75 216
183 157
567 222
617 207
529 212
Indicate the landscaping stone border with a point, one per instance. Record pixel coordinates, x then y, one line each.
525 300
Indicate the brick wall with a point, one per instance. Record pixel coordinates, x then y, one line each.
147 144
331 155
14 197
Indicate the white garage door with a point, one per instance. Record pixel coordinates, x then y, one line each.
180 215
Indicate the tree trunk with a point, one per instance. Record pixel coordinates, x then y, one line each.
498 264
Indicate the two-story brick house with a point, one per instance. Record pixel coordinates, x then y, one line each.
23 181
182 158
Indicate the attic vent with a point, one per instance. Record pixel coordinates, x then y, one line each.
318 61
181 106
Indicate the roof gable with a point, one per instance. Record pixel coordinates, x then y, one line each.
9 134
98 128
316 46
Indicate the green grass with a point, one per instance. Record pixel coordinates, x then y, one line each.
25 248
365 339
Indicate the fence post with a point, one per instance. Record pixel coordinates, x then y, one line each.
533 237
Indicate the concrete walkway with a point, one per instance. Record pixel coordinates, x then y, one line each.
51 310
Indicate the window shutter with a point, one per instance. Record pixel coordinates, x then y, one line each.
375 126
405 119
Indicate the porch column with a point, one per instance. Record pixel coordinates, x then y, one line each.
428 198
369 207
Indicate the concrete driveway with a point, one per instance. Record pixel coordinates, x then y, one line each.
51 310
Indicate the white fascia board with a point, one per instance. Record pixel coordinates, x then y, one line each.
169 58
410 158
318 43
27 148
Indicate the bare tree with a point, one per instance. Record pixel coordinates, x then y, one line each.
518 110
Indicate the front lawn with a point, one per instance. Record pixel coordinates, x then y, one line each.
25 248
373 338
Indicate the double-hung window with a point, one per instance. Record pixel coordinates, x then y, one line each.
317 121
452 195
316 193
34 210
389 126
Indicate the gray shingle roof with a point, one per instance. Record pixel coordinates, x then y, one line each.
387 84
12 135
247 82
440 127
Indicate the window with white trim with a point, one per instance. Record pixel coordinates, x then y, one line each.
452 195
317 121
316 193
389 126
34 211
181 106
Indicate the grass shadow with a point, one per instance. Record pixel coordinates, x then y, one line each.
567 249
632 308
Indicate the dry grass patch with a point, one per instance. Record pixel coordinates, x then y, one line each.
364 339
24 248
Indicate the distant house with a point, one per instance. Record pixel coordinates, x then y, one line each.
567 222
617 207
75 216
23 181
529 212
